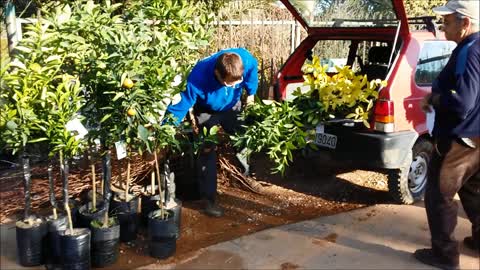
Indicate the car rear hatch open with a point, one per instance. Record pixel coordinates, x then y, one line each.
384 21
340 15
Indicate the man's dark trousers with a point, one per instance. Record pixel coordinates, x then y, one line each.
207 157
454 168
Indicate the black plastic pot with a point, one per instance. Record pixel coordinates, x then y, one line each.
105 244
75 249
30 242
127 215
85 216
53 245
176 207
149 204
162 235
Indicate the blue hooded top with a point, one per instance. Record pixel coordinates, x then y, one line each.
208 93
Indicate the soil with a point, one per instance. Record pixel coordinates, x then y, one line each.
309 189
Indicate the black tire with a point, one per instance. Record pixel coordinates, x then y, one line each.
407 184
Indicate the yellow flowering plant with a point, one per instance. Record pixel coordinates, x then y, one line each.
343 95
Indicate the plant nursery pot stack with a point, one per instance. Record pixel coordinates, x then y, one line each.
127 215
75 249
31 236
162 234
105 242
53 243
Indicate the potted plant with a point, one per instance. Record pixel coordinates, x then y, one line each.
162 229
105 242
105 233
65 133
55 224
25 84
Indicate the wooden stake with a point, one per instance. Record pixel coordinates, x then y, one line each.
152 185
101 187
94 189
159 185
105 220
55 213
69 214
128 180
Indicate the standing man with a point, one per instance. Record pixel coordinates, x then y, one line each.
214 89
455 98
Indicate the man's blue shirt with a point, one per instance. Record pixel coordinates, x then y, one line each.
204 90
458 84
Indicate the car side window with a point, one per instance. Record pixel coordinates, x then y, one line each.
432 59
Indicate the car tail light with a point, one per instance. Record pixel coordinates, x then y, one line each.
383 115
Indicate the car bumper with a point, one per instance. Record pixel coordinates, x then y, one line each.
368 149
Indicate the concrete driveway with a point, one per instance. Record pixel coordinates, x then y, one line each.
378 237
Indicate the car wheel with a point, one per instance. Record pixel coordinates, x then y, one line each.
407 184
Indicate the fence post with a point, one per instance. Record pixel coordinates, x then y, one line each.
292 37
297 33
273 70
262 79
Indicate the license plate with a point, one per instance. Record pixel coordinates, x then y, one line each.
326 140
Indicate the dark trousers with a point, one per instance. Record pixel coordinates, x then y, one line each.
207 157
454 169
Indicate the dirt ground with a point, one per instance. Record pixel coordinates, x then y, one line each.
309 189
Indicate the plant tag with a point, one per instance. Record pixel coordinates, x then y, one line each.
75 125
320 128
121 149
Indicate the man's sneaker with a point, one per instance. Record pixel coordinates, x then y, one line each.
427 256
470 243
213 209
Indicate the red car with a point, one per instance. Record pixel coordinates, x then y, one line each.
376 38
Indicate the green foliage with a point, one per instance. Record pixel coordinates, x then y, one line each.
154 43
77 58
277 128
37 98
206 138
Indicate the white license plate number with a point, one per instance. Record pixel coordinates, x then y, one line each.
326 140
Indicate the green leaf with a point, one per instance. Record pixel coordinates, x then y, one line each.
53 58
105 117
214 130
38 140
118 95
23 49
11 125
143 133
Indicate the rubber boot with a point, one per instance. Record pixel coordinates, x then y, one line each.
213 209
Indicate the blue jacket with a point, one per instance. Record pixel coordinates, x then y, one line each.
204 90
458 84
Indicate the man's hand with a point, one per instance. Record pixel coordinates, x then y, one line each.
430 100
250 100
425 105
